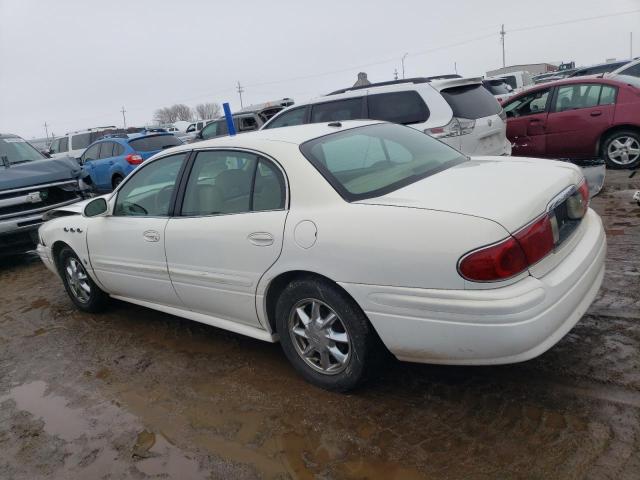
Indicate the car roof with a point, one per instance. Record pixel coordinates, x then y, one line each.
295 135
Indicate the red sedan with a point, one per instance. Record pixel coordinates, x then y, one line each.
578 118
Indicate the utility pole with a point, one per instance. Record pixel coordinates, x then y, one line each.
124 119
630 45
395 74
46 129
403 57
455 67
240 90
502 34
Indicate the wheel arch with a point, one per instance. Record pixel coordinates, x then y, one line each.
611 130
277 285
56 248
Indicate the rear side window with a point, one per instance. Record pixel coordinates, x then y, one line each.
398 107
117 149
608 95
348 109
82 140
471 101
573 97
289 118
155 142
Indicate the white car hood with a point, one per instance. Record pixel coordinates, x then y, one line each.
510 191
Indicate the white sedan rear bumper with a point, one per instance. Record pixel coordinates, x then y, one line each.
496 326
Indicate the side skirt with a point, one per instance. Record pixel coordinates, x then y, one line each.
247 330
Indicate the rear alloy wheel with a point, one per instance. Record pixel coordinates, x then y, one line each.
82 290
325 335
622 149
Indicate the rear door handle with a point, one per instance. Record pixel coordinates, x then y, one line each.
596 113
261 239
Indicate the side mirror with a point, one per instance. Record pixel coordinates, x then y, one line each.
46 153
95 208
199 135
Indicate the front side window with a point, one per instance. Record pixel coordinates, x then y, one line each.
370 161
106 149
191 128
92 153
530 104
55 146
398 107
80 141
225 182
149 190
288 118
571 97
64 145
246 124
348 109
215 129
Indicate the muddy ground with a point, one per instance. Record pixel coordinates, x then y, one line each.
137 394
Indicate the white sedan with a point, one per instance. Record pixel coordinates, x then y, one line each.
340 240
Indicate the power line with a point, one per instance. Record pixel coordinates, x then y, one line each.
576 20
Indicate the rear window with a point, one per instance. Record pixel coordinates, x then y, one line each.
370 161
155 142
471 101
398 107
497 87
80 141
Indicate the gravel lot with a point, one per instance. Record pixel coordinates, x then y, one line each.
135 393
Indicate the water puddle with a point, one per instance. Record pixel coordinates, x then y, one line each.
59 420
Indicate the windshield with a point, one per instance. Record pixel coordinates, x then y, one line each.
497 87
370 161
16 150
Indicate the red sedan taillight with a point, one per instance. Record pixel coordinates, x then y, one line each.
524 248
134 159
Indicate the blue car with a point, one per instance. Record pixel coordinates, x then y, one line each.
109 160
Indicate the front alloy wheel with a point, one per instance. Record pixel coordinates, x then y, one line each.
77 280
319 336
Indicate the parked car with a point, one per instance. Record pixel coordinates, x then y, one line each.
30 185
109 160
518 81
335 238
499 89
578 118
266 110
553 76
73 144
631 69
458 111
598 69
243 122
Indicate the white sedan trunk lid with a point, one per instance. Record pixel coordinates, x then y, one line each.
509 191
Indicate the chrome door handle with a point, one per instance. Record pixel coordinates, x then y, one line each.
261 239
151 236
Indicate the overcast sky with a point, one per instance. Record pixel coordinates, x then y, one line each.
74 64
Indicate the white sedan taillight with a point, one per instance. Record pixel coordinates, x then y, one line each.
456 127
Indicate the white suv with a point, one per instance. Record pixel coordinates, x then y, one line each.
458 111
73 144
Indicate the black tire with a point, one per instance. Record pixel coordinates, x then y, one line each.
69 265
363 346
117 180
631 137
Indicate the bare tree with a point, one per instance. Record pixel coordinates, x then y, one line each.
207 110
173 113
182 111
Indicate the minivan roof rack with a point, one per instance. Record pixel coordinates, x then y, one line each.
397 82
